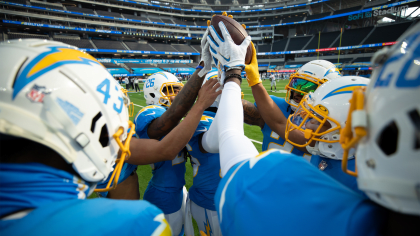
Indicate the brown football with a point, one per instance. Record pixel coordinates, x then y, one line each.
236 31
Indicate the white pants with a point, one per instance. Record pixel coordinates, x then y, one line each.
273 82
207 220
176 220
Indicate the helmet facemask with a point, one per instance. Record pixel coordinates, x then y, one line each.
316 125
300 84
168 90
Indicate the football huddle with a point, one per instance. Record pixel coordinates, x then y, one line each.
341 154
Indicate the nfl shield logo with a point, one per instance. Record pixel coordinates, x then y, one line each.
36 94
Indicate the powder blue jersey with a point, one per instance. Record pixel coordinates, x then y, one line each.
280 194
126 171
272 140
165 188
36 199
88 217
206 167
332 168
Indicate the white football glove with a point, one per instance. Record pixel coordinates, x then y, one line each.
226 51
205 55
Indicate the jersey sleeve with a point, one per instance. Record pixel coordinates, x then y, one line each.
204 125
145 117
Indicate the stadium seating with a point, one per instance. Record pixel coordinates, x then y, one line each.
155 19
107 13
18 1
362 59
12 35
277 63
183 48
174 65
80 43
317 16
270 21
138 46
353 36
279 45
137 65
292 19
137 17
356 8
168 21
197 47
163 47
389 33
297 43
110 65
36 4
326 40
108 44
264 48
83 10
201 23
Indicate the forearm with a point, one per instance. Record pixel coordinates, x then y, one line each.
269 111
274 117
147 151
181 105
251 114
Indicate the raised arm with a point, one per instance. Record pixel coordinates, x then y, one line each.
252 115
269 111
185 99
147 151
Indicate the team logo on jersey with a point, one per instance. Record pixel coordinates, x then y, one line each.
56 56
343 90
37 94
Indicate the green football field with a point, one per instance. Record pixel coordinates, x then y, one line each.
144 172
252 132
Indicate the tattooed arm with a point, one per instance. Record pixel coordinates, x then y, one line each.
180 106
252 115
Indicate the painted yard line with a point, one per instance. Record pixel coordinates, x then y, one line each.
137 105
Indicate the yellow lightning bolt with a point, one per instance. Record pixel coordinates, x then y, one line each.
206 118
63 54
208 227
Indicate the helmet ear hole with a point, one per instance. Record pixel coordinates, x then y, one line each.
104 136
388 139
415 118
152 95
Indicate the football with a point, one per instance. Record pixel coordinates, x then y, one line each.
236 31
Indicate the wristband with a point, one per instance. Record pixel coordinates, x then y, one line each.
233 76
199 67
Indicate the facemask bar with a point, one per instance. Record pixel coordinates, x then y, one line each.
130 106
125 154
289 89
165 98
307 112
357 121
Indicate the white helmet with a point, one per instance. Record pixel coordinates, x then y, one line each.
155 85
322 114
213 75
66 100
385 126
308 78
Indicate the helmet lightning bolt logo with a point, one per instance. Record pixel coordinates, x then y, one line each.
57 56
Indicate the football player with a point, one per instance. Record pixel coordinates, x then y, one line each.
305 80
165 189
62 123
206 173
287 190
